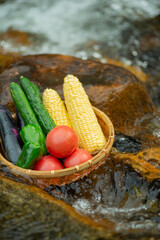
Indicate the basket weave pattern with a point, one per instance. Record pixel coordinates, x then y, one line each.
68 175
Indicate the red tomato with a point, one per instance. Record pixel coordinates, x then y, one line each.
77 157
61 141
48 163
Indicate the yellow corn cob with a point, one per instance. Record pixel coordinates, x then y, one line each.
56 108
81 115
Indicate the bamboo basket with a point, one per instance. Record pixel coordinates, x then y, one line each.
61 177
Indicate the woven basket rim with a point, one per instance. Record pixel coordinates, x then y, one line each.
72 170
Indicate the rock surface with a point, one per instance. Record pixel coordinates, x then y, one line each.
126 188
32 213
144 49
114 90
118 92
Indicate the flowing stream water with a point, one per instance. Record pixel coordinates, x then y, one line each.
86 28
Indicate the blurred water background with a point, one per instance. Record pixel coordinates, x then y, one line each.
86 28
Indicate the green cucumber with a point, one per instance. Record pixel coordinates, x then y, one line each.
37 91
23 105
41 113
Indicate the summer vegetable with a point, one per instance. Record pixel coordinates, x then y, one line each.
31 133
48 163
31 153
22 105
9 136
82 116
37 91
56 108
2 107
40 134
77 157
44 119
19 121
61 141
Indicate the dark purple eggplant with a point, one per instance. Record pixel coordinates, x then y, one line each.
20 122
7 111
9 136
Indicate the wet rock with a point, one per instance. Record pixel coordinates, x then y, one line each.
118 92
4 61
16 37
146 162
28 212
112 89
147 34
136 70
149 43
16 42
126 103
144 50
125 188
124 143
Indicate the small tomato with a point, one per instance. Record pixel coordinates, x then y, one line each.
61 141
77 157
48 163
